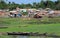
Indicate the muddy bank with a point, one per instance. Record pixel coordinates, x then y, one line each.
32 34
29 34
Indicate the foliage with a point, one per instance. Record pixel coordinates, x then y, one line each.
42 4
32 25
24 13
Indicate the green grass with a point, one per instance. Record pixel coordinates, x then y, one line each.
32 25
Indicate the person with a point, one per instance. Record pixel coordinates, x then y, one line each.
51 11
15 15
10 15
19 15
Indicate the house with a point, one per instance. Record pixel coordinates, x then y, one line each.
57 12
2 13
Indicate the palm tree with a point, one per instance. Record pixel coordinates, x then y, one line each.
47 2
58 5
34 4
0 0
58 0
3 0
42 5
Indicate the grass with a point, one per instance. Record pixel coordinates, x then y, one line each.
51 25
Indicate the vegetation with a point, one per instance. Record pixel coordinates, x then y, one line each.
49 25
30 25
43 4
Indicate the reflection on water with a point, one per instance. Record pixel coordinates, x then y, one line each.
22 36
31 37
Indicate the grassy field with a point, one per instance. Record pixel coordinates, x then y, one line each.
51 25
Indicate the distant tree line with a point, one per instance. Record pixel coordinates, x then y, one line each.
43 4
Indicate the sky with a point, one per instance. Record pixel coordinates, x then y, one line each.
25 1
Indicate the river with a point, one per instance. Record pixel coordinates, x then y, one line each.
15 36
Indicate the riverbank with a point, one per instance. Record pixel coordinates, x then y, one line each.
27 34
50 26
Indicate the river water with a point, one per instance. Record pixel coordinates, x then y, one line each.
15 36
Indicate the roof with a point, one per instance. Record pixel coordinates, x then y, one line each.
57 11
12 11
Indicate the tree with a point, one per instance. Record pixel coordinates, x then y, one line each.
28 5
34 5
49 4
1 0
57 4
3 4
42 4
